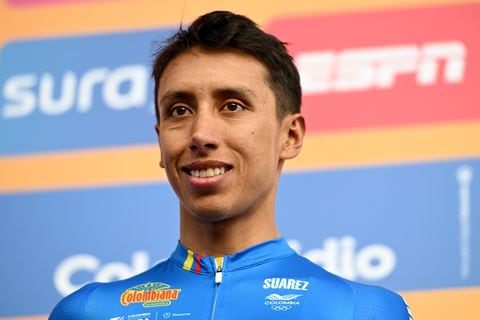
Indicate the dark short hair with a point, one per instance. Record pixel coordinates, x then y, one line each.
223 30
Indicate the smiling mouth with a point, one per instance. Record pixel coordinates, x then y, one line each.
206 172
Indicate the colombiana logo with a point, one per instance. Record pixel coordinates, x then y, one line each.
151 294
279 302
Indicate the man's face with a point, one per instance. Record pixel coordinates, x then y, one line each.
220 139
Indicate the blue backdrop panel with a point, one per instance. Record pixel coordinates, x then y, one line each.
396 226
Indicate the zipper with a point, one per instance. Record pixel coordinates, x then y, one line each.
218 281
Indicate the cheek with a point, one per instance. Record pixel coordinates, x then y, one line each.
169 150
262 145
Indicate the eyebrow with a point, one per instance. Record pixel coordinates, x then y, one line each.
176 95
240 92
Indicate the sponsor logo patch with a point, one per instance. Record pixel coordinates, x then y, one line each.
279 302
151 294
168 315
136 316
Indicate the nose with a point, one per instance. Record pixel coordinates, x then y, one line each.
204 135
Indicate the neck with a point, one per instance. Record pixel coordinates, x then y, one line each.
227 236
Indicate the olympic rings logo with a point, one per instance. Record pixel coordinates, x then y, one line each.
281 307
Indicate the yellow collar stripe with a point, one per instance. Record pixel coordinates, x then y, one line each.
187 265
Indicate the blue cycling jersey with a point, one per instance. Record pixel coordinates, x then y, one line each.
267 281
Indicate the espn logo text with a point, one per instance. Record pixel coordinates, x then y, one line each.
379 67
384 68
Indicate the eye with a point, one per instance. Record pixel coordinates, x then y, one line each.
233 107
179 111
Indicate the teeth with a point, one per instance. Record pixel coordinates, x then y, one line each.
207 173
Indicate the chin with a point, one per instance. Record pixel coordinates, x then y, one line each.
211 214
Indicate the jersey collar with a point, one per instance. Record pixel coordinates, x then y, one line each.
255 255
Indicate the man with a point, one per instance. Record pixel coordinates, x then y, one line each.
228 116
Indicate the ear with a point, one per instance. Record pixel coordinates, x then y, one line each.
162 164
293 127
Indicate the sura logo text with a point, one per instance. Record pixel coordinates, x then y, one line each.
121 88
378 67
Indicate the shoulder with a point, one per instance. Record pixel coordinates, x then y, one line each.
368 302
72 307
95 299
373 302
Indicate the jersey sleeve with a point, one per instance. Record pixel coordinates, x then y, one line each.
378 303
73 306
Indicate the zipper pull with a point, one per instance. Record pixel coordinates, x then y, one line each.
219 270
218 275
